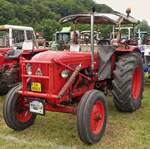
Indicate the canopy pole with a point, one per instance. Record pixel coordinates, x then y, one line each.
92 39
113 36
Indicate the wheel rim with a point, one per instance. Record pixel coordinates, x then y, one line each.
22 110
97 117
136 82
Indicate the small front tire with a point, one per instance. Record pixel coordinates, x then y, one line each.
16 110
92 116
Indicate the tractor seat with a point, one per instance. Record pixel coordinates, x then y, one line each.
104 42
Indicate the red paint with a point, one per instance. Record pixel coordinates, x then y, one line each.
7 64
5 50
51 64
22 110
97 117
136 82
113 62
58 108
51 68
126 49
26 54
3 60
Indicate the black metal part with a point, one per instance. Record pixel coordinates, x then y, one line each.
9 77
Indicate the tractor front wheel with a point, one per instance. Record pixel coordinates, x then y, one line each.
92 116
128 82
16 110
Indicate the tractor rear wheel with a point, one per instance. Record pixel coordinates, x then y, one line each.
128 82
16 110
92 116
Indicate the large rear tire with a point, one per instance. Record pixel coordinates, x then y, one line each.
92 116
16 110
128 82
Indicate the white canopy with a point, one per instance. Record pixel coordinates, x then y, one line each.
17 27
100 18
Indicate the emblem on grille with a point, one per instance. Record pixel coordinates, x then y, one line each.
38 72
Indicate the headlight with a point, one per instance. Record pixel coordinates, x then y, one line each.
65 74
29 69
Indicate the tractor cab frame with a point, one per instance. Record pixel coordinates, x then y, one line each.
12 36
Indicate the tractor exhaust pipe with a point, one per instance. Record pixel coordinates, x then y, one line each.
92 38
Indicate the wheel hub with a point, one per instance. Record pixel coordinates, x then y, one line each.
22 110
97 117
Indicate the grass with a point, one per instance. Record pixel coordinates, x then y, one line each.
58 131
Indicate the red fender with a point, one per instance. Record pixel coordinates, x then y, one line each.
2 59
127 49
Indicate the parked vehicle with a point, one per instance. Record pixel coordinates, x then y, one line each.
145 49
61 38
75 81
140 38
15 42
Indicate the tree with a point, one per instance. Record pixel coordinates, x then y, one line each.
144 26
48 27
44 15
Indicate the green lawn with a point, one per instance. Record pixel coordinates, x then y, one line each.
58 131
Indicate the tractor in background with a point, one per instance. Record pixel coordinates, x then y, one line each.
15 42
61 38
74 81
141 38
145 49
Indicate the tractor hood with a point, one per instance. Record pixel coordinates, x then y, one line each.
62 56
5 50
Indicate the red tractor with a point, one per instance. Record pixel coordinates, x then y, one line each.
75 81
15 42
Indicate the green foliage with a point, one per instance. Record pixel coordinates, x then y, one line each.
48 27
144 26
43 15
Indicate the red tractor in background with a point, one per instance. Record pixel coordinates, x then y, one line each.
75 81
15 42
